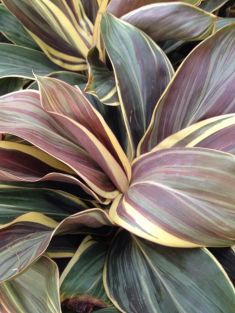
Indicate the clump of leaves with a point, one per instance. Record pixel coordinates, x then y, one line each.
142 194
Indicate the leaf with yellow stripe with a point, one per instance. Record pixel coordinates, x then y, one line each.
81 283
142 72
214 133
180 197
172 21
61 29
22 115
27 237
212 5
202 87
36 290
140 276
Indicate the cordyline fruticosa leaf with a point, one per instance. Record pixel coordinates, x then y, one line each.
142 277
177 21
208 90
122 7
18 295
138 64
27 237
60 28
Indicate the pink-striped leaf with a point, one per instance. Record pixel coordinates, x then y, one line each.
22 115
64 99
203 87
26 238
122 7
182 197
216 133
172 21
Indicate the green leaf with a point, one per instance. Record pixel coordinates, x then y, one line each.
181 197
16 61
14 30
142 71
202 87
172 21
212 5
82 279
36 290
143 277
101 81
10 84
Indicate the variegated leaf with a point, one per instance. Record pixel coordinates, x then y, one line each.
181 197
172 21
17 61
121 7
23 116
36 290
13 29
70 108
142 71
144 277
215 133
60 28
28 236
81 283
101 81
203 87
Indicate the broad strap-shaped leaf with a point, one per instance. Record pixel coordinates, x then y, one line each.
142 71
24 163
121 7
13 29
222 22
17 61
10 84
203 87
81 283
27 237
23 116
144 277
215 133
35 290
172 21
69 106
16 200
60 28
101 81
212 5
181 197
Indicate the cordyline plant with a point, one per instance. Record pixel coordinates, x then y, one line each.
142 194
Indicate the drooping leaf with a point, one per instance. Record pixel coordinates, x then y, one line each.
60 28
142 71
181 197
203 87
172 21
121 7
36 290
143 277
17 61
212 5
23 116
82 280
27 237
14 30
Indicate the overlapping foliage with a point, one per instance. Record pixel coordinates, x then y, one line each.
117 172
